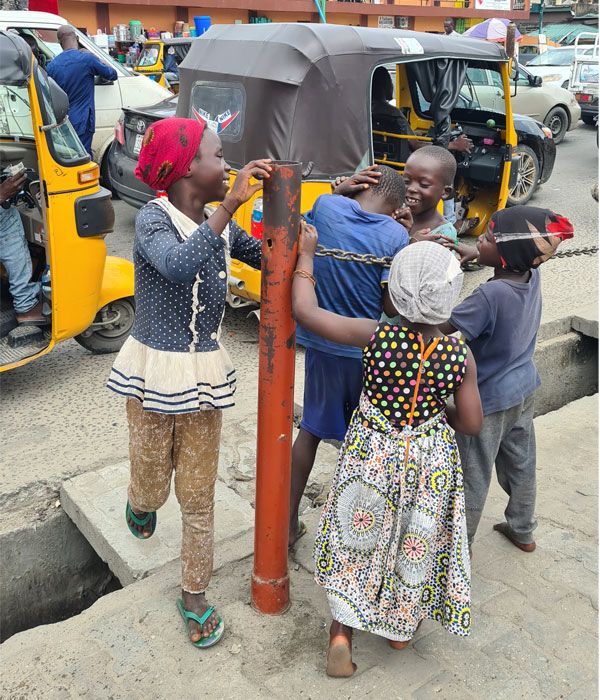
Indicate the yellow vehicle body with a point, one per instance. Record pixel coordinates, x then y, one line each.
84 280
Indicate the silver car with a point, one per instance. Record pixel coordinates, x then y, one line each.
555 107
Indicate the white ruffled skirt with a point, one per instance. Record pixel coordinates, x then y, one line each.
173 382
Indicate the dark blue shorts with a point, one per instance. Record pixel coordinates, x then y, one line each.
332 386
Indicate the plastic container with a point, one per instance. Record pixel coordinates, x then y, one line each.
191 33
135 29
202 24
257 224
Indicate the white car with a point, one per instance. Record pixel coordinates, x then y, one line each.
555 107
130 89
554 66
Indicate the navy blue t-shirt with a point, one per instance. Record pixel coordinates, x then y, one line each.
500 321
347 288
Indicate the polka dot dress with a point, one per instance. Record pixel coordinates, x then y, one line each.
392 364
392 546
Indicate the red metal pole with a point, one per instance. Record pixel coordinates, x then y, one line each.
277 345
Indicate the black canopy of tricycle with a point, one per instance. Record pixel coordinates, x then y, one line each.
306 87
15 59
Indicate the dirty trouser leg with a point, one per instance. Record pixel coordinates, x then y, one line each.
515 466
477 456
150 449
196 457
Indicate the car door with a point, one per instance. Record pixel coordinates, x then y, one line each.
529 100
488 93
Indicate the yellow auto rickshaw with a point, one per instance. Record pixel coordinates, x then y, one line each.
302 92
160 56
65 216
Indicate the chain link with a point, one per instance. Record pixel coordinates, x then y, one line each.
369 259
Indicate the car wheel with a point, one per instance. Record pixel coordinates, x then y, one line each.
109 338
558 123
527 177
588 119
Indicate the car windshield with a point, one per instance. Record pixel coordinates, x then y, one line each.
556 57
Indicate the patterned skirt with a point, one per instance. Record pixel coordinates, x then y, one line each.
392 547
173 382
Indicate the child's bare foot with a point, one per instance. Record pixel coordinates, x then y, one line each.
399 645
197 603
339 654
296 533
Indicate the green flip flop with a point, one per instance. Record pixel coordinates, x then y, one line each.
213 637
148 518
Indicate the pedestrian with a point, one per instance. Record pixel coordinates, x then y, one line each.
391 547
449 27
14 255
429 176
500 321
75 71
173 371
360 222
170 67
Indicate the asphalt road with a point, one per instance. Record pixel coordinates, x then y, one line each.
57 418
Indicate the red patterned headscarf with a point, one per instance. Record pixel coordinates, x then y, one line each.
528 236
168 148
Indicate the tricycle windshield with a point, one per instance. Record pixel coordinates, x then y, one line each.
63 142
149 56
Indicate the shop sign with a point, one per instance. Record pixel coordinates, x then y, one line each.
494 5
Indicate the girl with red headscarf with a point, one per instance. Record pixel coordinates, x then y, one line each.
172 370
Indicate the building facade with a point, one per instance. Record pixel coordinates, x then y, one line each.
418 15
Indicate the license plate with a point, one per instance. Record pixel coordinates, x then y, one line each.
137 146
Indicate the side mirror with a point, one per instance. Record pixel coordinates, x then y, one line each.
536 80
60 101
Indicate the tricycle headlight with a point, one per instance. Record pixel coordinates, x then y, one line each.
547 132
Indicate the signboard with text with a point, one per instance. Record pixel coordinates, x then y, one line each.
494 5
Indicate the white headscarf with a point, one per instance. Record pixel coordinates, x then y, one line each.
425 281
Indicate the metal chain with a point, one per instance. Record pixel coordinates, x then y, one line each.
369 259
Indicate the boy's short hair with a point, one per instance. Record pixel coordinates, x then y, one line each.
390 186
444 158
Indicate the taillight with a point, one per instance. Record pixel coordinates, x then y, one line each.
257 225
120 131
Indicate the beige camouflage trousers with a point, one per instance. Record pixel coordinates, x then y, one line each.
188 444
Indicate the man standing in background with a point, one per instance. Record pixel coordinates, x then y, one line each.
449 27
74 71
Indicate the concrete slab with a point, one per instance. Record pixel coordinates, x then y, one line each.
95 501
534 631
585 320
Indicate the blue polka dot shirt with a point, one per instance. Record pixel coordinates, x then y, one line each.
165 271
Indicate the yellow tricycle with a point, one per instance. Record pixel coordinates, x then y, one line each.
64 214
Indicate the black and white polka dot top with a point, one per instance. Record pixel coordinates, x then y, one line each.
181 284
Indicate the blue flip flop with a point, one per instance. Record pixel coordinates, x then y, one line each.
213 637
142 522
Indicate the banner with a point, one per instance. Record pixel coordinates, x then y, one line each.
494 5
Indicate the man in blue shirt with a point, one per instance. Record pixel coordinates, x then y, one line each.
74 71
359 223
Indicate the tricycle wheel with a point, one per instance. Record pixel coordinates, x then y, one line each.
109 337
527 178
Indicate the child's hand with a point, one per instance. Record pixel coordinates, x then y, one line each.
350 186
242 190
404 216
307 243
467 253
